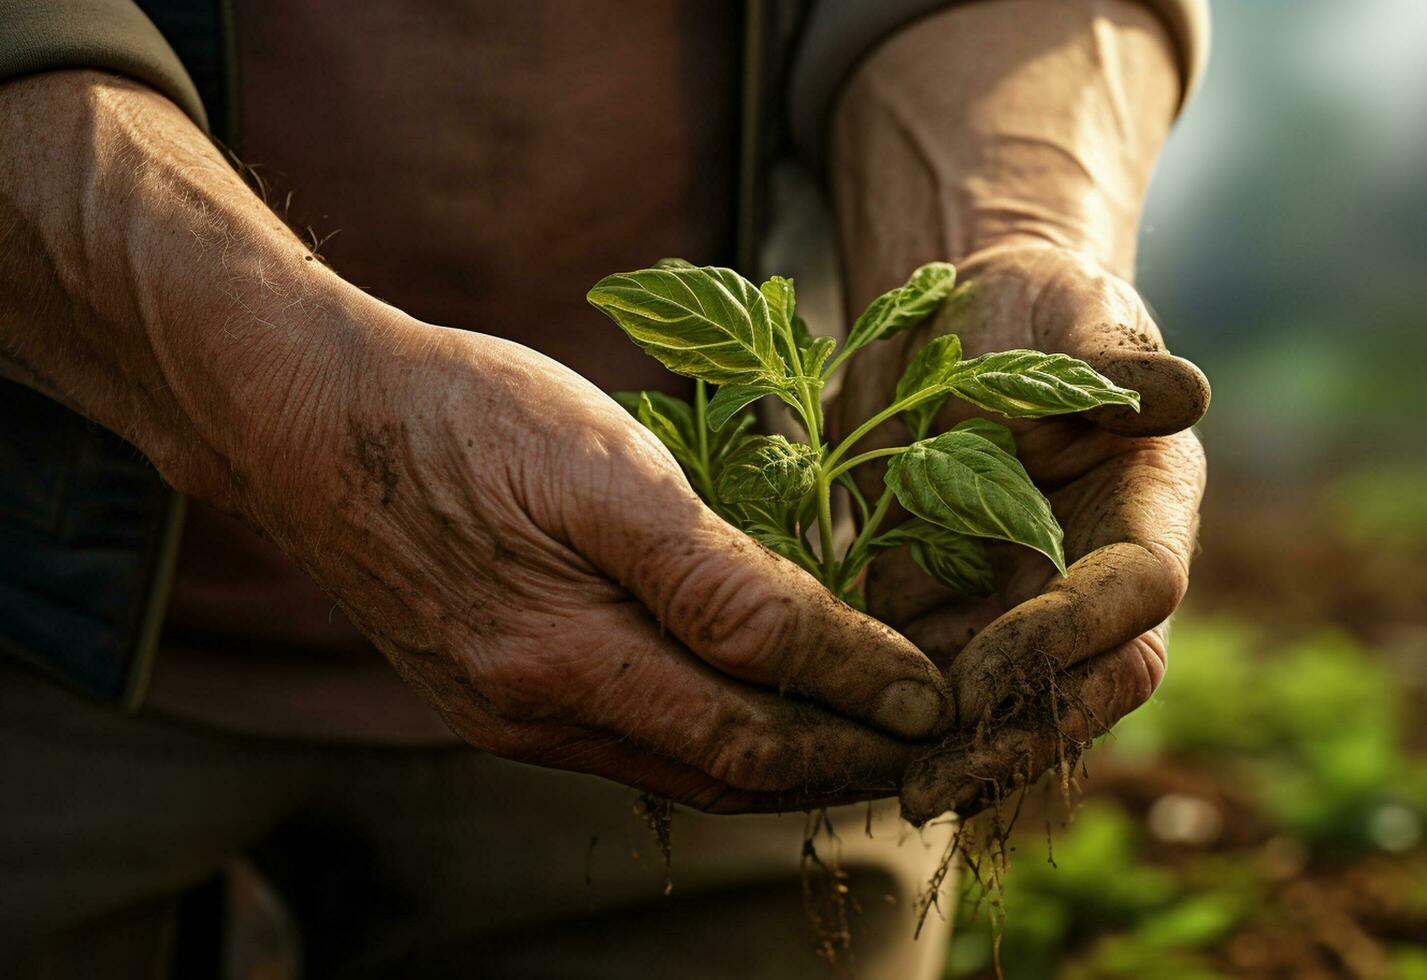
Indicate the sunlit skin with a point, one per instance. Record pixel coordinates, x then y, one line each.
1128 504
524 553
511 539
1035 192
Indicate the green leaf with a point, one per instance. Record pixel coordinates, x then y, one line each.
681 414
904 307
675 411
729 400
724 441
954 560
673 263
782 543
812 352
627 400
801 336
707 323
782 302
993 431
928 372
672 422
768 468
966 483
1030 384
815 355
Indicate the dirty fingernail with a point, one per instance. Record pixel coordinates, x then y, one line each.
910 709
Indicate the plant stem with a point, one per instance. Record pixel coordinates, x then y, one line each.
869 528
701 410
866 457
909 402
850 485
823 489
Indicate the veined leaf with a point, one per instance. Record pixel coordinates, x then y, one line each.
782 543
812 352
929 370
782 302
993 431
954 560
1030 384
707 323
966 483
729 400
815 354
904 307
768 468
724 441
801 336
671 421
674 263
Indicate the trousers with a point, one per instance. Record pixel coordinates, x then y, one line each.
375 861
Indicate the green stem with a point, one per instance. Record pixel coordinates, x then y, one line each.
910 401
866 457
701 410
869 528
850 485
823 489
824 492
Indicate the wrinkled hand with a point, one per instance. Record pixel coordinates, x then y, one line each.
534 562
1125 487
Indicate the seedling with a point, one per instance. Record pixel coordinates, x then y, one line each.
959 486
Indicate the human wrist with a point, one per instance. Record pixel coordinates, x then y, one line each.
245 338
997 123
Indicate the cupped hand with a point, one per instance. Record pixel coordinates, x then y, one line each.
1047 663
534 562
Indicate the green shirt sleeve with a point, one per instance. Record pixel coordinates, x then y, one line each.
106 35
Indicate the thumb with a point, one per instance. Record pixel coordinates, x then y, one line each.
1174 393
758 617
1109 328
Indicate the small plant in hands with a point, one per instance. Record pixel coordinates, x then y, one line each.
959 486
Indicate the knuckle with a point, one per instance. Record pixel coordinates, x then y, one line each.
736 619
746 758
523 688
743 761
1145 670
1166 582
1154 657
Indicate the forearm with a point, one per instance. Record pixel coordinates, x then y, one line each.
1018 121
145 286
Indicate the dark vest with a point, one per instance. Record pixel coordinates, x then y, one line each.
88 531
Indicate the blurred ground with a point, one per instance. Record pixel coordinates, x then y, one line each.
1264 816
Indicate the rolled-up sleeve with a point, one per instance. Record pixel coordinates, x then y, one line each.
839 34
106 35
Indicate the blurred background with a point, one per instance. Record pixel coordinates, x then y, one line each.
1264 815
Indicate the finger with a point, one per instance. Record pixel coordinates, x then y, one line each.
1101 320
968 778
758 617
631 678
939 620
1174 393
613 756
1133 519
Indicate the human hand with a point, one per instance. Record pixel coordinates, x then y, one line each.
1047 663
534 563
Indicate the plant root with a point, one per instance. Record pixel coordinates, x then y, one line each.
827 899
658 815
